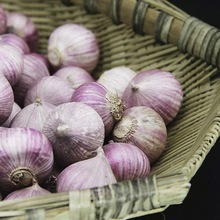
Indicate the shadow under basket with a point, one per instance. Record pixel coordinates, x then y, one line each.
144 34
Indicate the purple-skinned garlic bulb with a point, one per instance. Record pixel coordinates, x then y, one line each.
73 45
157 89
16 42
15 109
50 89
116 79
6 99
75 130
33 115
34 70
34 190
12 63
76 76
127 161
108 105
24 27
144 128
86 174
26 157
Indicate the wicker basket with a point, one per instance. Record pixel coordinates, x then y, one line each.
142 35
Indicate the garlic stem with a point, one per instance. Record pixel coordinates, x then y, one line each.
22 177
54 56
62 130
38 101
134 87
116 105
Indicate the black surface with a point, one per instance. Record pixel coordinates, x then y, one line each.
203 199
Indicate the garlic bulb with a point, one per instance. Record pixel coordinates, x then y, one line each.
16 42
127 161
108 105
50 89
3 22
116 79
90 173
76 76
24 27
15 109
144 128
34 70
26 157
33 115
34 190
11 63
73 45
157 89
6 99
75 130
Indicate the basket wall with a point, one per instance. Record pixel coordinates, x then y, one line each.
190 136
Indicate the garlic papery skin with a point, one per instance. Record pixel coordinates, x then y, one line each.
6 99
15 109
108 105
12 63
16 42
3 21
116 79
24 27
127 161
34 70
34 190
73 45
75 130
86 174
33 115
50 89
43 58
76 76
3 128
144 128
26 157
157 89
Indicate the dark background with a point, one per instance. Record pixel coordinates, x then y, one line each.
203 199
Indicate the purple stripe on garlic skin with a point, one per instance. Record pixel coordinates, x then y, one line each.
127 161
34 190
12 63
15 109
117 79
86 174
26 157
73 45
33 115
156 89
75 130
50 89
16 42
108 105
76 76
144 128
6 99
34 70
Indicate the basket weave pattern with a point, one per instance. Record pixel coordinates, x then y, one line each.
142 35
